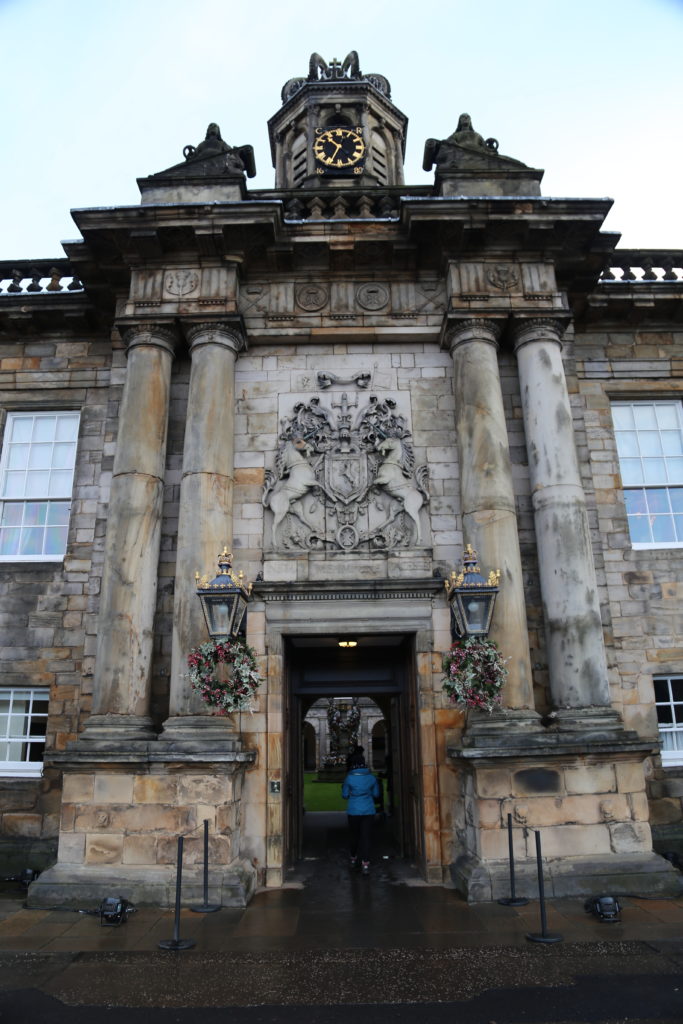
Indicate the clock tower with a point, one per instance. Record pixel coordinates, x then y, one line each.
337 127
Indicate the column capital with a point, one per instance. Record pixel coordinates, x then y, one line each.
152 335
477 328
528 329
228 334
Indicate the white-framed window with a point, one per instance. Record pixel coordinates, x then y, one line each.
669 702
23 718
36 481
649 439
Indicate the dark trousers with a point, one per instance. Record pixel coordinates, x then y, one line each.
360 827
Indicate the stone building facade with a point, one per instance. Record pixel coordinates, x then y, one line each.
344 379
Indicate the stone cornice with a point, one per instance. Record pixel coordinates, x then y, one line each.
349 590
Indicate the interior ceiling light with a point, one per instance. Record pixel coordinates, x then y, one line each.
347 643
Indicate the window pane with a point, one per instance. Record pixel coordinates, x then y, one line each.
635 502
639 529
44 428
631 472
60 482
644 416
58 513
650 443
674 468
664 714
661 690
657 500
35 513
40 705
678 526
18 456
676 498
622 416
9 541
678 713
627 443
63 456
41 456
654 471
667 740
37 483
672 442
22 427
13 511
36 751
31 541
14 485
67 428
667 417
16 751
55 540
663 529
677 689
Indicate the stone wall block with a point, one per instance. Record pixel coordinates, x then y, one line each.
16 823
155 789
630 777
104 849
631 837
205 789
575 840
71 848
114 788
536 781
493 782
78 789
591 778
138 850
665 812
640 807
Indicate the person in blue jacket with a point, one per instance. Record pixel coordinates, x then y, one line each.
361 789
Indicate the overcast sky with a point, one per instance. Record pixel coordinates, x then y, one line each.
96 93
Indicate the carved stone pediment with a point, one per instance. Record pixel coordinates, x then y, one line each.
345 477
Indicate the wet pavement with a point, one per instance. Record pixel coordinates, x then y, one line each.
333 943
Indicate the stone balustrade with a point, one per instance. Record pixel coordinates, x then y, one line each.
38 277
644 266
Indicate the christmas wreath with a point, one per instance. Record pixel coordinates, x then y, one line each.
474 673
237 690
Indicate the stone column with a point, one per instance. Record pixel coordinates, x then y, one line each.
488 501
205 513
576 651
129 581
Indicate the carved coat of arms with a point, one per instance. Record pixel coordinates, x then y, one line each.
345 478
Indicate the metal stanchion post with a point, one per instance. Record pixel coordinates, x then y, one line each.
544 935
512 900
176 942
206 907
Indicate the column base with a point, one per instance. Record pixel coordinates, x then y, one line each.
593 724
615 875
86 886
108 729
199 734
504 727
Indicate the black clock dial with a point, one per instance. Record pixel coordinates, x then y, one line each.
339 148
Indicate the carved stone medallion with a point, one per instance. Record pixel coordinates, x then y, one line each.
345 477
372 296
502 277
181 282
311 297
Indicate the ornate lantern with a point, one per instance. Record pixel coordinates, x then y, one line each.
224 598
471 597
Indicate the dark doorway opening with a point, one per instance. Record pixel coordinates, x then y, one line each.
377 676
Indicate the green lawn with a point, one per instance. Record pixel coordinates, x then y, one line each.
322 796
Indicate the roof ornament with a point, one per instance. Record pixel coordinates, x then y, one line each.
338 72
463 147
238 159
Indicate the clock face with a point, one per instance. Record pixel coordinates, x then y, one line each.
339 148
